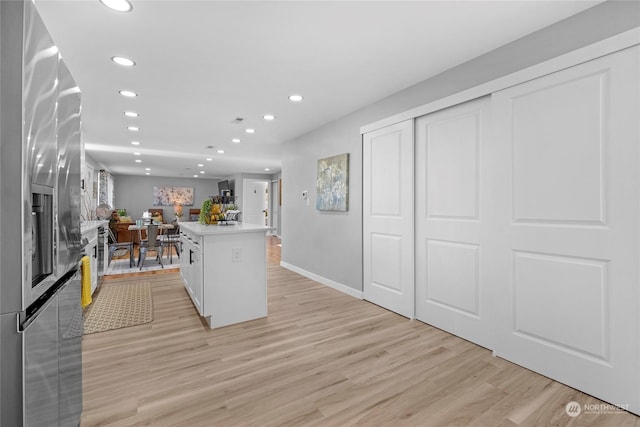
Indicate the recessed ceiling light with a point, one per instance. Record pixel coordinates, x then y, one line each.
235 140
133 128
267 169
138 161
209 159
201 171
269 117
195 176
250 130
295 98
135 142
147 173
131 114
147 169
200 165
136 154
128 93
121 60
118 5
220 151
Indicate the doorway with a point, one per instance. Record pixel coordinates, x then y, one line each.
255 209
274 207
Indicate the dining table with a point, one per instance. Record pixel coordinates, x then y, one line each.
135 237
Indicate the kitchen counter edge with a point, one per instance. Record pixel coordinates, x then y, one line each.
205 230
91 225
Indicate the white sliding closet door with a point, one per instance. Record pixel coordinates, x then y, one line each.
451 220
567 258
388 218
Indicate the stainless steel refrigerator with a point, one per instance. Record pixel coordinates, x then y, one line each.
40 242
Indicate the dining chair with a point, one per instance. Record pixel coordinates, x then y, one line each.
119 247
150 244
171 239
194 214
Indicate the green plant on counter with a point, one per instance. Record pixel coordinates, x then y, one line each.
205 212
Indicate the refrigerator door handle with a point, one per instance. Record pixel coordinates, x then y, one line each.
39 305
19 318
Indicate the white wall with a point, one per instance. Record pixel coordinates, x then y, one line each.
325 243
329 245
135 193
275 220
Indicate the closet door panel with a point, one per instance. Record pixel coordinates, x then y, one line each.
566 256
388 218
451 226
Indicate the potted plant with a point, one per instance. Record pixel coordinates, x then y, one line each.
205 212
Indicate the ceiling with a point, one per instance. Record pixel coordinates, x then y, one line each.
202 65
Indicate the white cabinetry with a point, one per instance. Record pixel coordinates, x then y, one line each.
224 269
91 250
96 249
191 267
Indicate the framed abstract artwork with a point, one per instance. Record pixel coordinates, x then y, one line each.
332 183
171 196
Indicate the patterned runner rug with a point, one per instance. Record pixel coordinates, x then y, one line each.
119 305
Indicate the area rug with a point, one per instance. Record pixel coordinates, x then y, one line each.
121 266
119 305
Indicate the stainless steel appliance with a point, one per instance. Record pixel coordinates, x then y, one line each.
101 252
41 234
40 145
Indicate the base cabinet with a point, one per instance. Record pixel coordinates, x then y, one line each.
225 272
191 268
91 250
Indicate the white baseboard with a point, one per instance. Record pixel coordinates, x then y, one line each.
323 280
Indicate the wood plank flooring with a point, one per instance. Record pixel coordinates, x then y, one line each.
321 358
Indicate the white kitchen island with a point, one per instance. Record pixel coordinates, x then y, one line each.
224 268
97 248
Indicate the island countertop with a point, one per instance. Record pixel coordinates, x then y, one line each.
212 229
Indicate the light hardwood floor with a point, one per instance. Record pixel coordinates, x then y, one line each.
321 358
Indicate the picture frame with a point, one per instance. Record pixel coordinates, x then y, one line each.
332 183
171 196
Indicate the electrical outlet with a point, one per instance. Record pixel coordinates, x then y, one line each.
236 254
